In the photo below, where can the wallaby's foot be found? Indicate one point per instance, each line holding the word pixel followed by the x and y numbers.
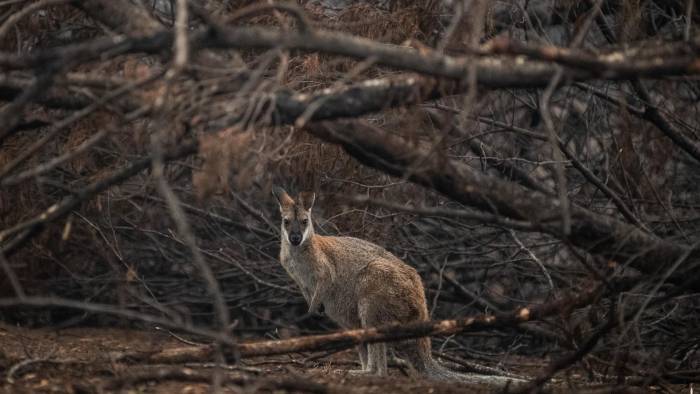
pixel 360 372
pixel 354 372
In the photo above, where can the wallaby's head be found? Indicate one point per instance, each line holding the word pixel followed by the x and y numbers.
pixel 296 215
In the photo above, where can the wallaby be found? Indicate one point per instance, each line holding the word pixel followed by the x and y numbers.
pixel 359 284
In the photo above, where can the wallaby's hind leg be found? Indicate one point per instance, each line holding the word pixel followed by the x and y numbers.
pixel 376 358
pixel 376 352
pixel 362 351
pixel 373 359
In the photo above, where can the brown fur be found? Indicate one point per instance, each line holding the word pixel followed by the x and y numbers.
pixel 359 284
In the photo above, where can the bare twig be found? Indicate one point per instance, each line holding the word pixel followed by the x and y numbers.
pixel 157 154
pixel 59 126
pixel 535 259
pixel 564 204
pixel 445 212
pixel 653 115
pixel 12 277
pixel 536 384
pixel 116 311
pixel 587 173
pixel 26 229
pixel 57 161
pixel 17 16
pixel 688 19
pixel 303 22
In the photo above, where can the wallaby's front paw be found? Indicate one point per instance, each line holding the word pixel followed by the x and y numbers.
pixel 315 306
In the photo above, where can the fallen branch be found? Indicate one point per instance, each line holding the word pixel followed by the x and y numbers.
pixel 389 333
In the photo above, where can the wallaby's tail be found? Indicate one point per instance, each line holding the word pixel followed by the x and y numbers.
pixel 418 353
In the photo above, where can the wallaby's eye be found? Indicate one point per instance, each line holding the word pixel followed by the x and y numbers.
pixel 305 222
pixel 286 222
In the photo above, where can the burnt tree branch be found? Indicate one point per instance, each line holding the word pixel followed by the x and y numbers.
pixel 507 68
pixel 597 233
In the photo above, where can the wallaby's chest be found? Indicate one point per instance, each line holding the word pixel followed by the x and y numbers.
pixel 300 269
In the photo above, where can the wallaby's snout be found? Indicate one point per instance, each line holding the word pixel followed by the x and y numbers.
pixel 295 238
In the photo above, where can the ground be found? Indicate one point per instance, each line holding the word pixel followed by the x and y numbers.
pixel 82 360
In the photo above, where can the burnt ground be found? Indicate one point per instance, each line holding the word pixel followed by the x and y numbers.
pixel 82 360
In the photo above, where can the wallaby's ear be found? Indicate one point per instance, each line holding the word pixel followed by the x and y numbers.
pixel 282 197
pixel 306 199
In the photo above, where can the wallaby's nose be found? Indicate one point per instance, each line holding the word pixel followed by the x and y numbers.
pixel 295 238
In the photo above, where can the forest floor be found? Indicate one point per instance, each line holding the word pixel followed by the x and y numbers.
pixel 82 360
